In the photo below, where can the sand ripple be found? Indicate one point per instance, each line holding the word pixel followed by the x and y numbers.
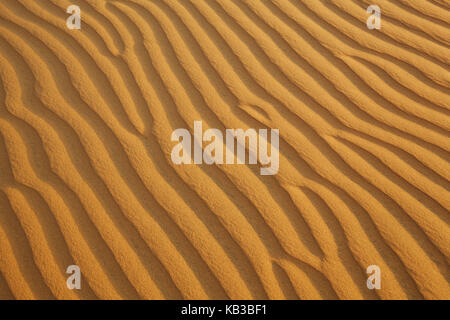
pixel 86 176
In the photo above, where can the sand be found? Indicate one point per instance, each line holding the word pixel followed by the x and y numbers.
pixel 86 176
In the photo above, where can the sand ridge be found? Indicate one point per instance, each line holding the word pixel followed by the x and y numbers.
pixel 86 176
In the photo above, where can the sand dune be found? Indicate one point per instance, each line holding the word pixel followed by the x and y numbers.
pixel 86 176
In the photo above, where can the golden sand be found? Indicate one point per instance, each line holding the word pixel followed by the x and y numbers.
pixel 86 176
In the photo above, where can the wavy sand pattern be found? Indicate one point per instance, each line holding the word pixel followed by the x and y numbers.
pixel 86 176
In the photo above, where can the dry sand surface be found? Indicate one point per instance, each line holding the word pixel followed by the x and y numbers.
pixel 86 176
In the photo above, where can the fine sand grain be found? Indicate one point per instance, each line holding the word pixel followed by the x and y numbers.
pixel 86 176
